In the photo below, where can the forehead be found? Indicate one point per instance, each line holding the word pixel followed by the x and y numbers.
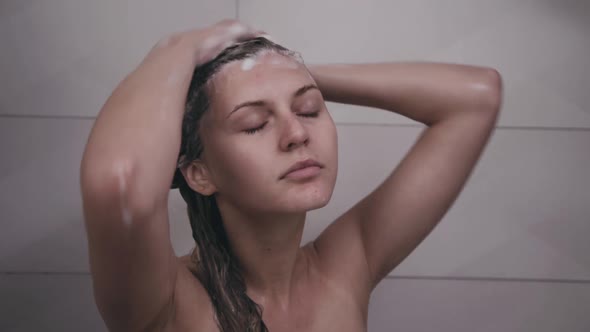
pixel 267 75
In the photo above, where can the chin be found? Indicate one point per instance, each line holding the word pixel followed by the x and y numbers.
pixel 318 205
pixel 308 201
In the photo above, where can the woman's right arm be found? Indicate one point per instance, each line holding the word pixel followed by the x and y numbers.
pixel 125 178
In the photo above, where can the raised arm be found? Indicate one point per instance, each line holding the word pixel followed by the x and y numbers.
pixel 125 177
pixel 459 104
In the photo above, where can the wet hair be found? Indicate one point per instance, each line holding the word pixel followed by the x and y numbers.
pixel 213 262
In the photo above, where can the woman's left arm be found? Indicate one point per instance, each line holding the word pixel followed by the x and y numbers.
pixel 422 91
pixel 460 105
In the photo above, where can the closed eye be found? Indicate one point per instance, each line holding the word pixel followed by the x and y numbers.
pixel 253 130
pixel 305 115
pixel 310 115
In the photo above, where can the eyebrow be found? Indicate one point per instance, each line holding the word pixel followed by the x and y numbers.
pixel 297 93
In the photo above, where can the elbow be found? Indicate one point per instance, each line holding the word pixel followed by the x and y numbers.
pixel 488 89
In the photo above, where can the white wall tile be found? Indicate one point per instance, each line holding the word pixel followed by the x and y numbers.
pixel 523 214
pixel 40 205
pixel 48 303
pixel 412 305
pixel 12 7
pixel 64 57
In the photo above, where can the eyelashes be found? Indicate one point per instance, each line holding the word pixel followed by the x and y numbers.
pixel 305 115
pixel 252 131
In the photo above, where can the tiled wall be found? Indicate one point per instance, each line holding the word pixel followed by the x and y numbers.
pixel 512 254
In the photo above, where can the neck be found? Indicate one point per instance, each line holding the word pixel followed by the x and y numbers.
pixel 267 248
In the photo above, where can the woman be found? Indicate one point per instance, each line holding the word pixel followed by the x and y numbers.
pixel 252 148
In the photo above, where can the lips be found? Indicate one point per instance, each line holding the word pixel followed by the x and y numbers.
pixel 302 164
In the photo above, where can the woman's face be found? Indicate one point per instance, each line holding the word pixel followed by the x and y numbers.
pixel 265 115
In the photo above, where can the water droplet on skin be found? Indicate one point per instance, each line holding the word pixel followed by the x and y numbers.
pixel 248 64
pixel 121 170
pixel 126 216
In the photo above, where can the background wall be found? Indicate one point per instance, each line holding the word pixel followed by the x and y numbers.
pixel 511 255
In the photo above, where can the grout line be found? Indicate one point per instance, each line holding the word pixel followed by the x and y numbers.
pixel 371 124
pixel 237 9
pixel 418 125
pixel 338 123
pixel 494 279
pixel 410 277
pixel 44 273
pixel 543 128
pixel 52 117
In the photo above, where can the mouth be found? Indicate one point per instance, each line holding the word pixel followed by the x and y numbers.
pixel 303 169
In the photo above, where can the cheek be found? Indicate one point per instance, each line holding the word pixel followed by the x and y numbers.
pixel 242 165
pixel 327 147
pixel 327 136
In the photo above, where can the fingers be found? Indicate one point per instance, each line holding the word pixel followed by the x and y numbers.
pixel 219 35
pixel 207 43
pixel 233 31
pixel 224 34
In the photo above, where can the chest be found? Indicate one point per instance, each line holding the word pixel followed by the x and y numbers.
pixel 318 306
pixel 326 308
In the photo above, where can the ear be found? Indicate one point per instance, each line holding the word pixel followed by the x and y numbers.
pixel 197 177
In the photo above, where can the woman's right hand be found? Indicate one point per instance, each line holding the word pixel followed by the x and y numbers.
pixel 207 43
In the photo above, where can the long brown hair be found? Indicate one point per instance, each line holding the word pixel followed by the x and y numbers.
pixel 214 263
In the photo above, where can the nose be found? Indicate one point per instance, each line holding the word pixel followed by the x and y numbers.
pixel 295 133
